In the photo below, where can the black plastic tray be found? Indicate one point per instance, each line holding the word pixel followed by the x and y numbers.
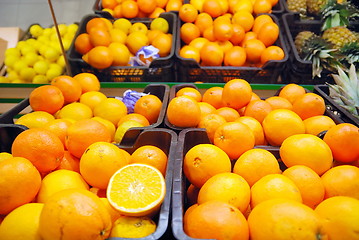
pixel 188 70
pixel 159 90
pixel 298 70
pixel 160 70
pixel 333 110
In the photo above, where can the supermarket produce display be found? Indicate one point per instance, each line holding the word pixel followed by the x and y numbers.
pixel 200 119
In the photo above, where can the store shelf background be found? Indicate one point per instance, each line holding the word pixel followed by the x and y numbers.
pixel 22 13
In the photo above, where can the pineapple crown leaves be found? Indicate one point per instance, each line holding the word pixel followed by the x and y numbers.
pixel 350 54
pixel 334 14
pixel 346 89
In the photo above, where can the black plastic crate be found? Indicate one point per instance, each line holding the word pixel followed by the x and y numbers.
pixel 298 70
pixel 165 139
pixel 333 110
pixel 187 139
pixel 188 70
pixel 160 70
pixel 159 90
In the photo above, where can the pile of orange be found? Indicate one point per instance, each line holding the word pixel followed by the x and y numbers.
pixel 67 159
pixel 240 190
pixel 139 8
pixel 229 33
pixel 112 43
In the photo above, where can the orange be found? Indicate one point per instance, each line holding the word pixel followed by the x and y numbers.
pixel 92 98
pixel 96 23
pixel 109 125
pixel 188 51
pixel 111 109
pixel 83 133
pixel 212 7
pixel 46 98
pixel 157 12
pixel 273 186
pixel 20 182
pixel 308 182
pixel 129 9
pixel 117 11
pixel 309 105
pixel 188 32
pixel 259 21
pixel 136 117
pixel 75 111
pixel 222 29
pixel 242 5
pixel 234 138
pixel 229 114
pixel 238 34
pixel 262 6
pixel 69 162
pixel 248 36
pixel 258 109
pixel 213 96
pixel 343 140
pixel 243 18
pixel 216 220
pixel 225 45
pixel 163 42
pixel 236 56
pixel 112 211
pixel 173 5
pixel 136 40
pixel 314 152
pixel 341 181
pixel 142 197
pixel 256 128
pixel 236 191
pixel 123 128
pixel 138 27
pixel 82 43
pixel 291 92
pixel 133 227
pixel 42 147
pixel 340 216
pixel 188 13
pixel 256 163
pixel 198 43
pixel 100 161
pixel 70 88
pixel 58 127
pixel 254 49
pixel 149 106
pixel 203 21
pixel 150 155
pixel 279 124
pixel 147 6
pixel 99 37
pixel 317 124
pixel 236 93
pixel 206 109
pixel 151 34
pixel 192 194
pixel 203 161
pixel 69 211
pixel 277 102
pixel 211 122
pixel 120 53
pixel 88 82
pixel 272 53
pixel 100 57
pixel 268 33
pixel 183 111
pixel 59 180
pixel 209 34
pixel 283 218
pixel 109 4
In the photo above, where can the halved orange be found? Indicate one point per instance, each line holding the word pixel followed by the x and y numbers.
pixel 137 190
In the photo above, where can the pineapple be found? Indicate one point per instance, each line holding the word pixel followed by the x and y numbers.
pixel 350 54
pixel 312 47
pixel 299 6
pixel 345 91
pixel 314 7
pixel 339 36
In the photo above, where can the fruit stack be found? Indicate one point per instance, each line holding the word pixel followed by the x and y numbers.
pixel 38 58
pixel 111 48
pixel 220 40
pixel 322 35
pixel 230 181
pixel 78 133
